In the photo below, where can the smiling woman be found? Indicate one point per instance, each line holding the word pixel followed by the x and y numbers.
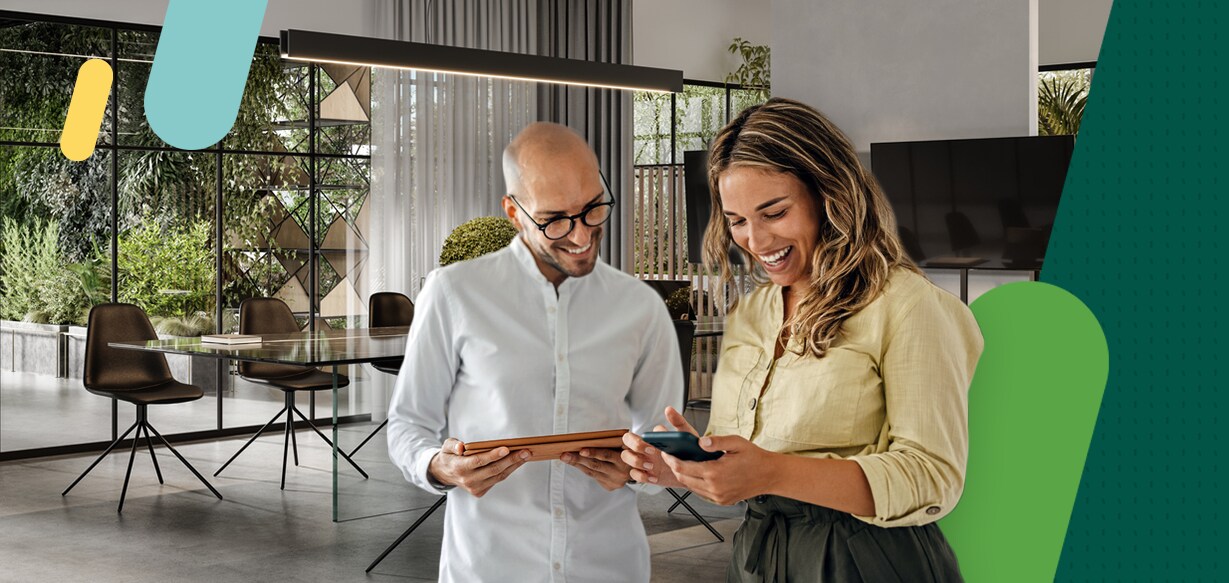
pixel 842 335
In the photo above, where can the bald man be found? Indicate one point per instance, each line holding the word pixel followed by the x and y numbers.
pixel 539 338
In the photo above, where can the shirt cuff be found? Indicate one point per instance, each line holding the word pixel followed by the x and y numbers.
pixel 889 512
pixel 422 468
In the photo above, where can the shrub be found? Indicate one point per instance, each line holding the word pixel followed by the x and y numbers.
pixel 167 273
pixel 475 238
pixel 30 257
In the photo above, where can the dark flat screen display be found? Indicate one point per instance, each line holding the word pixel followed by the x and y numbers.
pixel 984 201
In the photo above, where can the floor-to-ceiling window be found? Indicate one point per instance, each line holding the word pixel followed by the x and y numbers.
pixel 274 209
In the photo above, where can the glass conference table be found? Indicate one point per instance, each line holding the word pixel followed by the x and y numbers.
pixel 332 348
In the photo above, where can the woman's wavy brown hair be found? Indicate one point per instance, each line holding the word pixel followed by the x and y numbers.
pixel 858 246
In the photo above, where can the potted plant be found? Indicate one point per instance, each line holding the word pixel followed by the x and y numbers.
pixel 755 72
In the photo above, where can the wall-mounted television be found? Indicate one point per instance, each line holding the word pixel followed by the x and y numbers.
pixel 972 202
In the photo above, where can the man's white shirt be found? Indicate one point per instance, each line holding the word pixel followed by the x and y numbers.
pixel 494 352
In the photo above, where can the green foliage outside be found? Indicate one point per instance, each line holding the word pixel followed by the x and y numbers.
pixel 36 285
pixel 475 238
pixel 1061 98
pixel 42 194
pixel 167 272
pixel 30 258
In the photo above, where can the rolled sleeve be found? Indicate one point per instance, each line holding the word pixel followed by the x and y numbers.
pixel 927 366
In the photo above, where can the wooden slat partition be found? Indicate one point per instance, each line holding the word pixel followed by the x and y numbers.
pixel 660 238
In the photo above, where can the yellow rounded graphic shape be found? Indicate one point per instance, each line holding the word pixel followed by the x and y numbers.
pixel 85 111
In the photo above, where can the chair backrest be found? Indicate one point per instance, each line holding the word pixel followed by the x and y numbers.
pixel 386 309
pixel 114 369
pixel 267 316
pixel 686 331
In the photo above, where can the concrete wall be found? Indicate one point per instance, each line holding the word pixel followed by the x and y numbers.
pixel 1070 31
pixel 694 35
pixel 896 70
pixel 340 16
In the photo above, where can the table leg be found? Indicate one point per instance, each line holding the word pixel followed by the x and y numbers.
pixel 335 441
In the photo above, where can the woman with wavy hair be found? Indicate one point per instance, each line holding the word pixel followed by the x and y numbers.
pixel 840 399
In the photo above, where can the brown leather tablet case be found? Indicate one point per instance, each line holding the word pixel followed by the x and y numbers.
pixel 550 447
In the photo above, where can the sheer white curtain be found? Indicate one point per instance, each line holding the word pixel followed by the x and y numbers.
pixel 437 140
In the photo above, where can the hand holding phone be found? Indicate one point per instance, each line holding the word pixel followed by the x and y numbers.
pixel 680 444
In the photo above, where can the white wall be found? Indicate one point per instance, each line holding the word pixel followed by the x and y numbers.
pixel 695 35
pixel 894 70
pixel 339 16
pixel 1070 31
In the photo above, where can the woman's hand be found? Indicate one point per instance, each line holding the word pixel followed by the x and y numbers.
pixel 646 461
pixel 746 470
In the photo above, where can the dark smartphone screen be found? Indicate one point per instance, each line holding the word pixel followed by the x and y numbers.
pixel 680 444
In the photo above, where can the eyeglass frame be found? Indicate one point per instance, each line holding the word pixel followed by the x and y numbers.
pixel 571 218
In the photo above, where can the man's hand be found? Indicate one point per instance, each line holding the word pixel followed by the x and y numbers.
pixel 476 473
pixel 601 464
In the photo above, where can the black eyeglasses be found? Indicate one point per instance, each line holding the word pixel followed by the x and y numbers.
pixel 557 228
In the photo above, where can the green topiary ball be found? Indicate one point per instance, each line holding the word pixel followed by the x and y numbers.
pixel 475 238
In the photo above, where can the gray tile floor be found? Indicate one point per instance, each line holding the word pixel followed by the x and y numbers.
pixel 179 532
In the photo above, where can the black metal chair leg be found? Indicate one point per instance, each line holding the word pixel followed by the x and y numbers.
pixel 289 430
pixel 368 438
pixel 185 462
pixel 294 443
pixel 131 456
pixel 103 455
pixel 249 442
pixel 678 502
pixel 407 532
pixel 696 514
pixel 328 441
pixel 149 442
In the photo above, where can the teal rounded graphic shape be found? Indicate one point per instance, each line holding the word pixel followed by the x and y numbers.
pixel 1033 405
pixel 200 69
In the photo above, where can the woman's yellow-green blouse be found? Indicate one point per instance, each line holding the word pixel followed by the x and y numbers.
pixel 891 394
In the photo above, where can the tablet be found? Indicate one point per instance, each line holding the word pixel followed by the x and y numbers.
pixel 550 447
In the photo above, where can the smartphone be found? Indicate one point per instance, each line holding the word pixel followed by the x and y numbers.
pixel 680 444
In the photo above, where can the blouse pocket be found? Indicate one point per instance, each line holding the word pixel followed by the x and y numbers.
pixel 834 401
pixel 735 372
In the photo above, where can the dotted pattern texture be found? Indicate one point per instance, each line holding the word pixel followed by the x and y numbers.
pixel 1139 238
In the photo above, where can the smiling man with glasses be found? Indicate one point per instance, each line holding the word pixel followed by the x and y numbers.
pixel 538 338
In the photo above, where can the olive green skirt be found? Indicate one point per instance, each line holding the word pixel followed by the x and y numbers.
pixel 787 540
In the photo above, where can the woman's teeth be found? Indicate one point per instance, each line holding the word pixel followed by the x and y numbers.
pixel 776 258
pixel 579 251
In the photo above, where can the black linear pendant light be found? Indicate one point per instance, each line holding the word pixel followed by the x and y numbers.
pixel 320 47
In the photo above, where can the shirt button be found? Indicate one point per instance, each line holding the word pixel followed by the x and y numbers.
pixel 933 510
pixel 558 513
pixel 558 567
pixel 752 403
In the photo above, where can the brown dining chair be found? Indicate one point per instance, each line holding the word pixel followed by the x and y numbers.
pixel 259 316
pixel 384 310
pixel 133 376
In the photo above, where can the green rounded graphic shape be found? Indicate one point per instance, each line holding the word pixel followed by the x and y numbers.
pixel 1033 404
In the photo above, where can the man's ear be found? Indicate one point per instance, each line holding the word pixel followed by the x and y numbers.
pixel 511 210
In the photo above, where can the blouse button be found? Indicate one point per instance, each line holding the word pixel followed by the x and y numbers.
pixel 933 510
pixel 753 403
